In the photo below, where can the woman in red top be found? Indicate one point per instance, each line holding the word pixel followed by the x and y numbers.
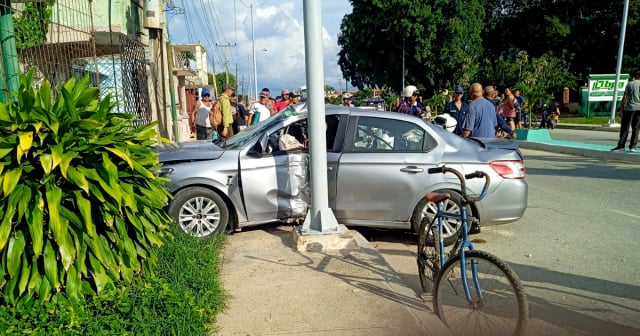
pixel 508 108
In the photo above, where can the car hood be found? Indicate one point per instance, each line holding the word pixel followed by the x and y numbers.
pixel 188 151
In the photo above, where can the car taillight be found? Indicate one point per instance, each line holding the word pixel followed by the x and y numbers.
pixel 509 169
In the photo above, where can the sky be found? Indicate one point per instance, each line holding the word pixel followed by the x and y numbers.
pixel 278 29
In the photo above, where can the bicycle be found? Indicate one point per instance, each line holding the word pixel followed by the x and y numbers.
pixel 489 299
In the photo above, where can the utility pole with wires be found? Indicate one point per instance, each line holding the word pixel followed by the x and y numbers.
pixel 226 59
pixel 253 47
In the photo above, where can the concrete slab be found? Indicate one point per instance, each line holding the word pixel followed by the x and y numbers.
pixel 274 289
pixel 322 242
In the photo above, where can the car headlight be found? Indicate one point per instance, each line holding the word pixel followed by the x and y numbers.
pixel 163 172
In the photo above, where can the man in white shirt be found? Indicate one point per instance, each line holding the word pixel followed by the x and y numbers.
pixel 260 110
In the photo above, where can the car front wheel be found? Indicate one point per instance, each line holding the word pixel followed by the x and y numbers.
pixel 451 227
pixel 199 212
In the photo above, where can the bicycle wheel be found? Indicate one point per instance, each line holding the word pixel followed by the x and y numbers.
pixel 503 308
pixel 428 255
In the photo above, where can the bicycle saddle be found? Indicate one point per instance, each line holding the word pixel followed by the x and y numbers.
pixel 437 197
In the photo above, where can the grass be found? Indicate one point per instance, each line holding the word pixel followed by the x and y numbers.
pixel 183 298
pixel 574 118
pixel 587 121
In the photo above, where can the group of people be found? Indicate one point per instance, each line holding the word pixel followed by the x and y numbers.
pixel 485 114
pixel 227 115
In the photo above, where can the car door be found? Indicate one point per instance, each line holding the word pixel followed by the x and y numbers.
pixel 275 182
pixel 382 172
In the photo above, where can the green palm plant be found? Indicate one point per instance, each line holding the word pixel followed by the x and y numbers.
pixel 79 205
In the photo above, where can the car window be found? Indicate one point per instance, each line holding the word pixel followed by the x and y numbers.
pixel 296 136
pixel 256 130
pixel 387 135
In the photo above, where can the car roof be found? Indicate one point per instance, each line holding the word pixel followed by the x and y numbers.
pixel 357 111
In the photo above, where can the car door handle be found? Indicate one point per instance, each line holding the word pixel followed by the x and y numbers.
pixel 411 169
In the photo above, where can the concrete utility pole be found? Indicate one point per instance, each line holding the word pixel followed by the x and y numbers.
pixel 253 46
pixel 174 112
pixel 226 60
pixel 9 83
pixel 320 218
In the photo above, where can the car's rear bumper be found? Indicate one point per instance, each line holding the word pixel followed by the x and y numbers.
pixel 506 204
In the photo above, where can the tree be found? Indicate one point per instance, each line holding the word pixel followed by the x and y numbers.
pixel 221 79
pixel 374 36
pixel 329 88
pixel 458 50
pixel 455 42
pixel 584 32
pixel 440 41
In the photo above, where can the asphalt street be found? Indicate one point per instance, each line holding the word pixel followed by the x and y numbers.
pixel 574 249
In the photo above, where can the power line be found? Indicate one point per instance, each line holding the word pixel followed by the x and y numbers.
pixel 188 24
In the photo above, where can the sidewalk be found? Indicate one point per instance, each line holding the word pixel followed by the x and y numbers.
pixel 541 139
pixel 274 289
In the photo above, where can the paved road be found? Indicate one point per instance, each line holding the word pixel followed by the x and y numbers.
pixel 576 248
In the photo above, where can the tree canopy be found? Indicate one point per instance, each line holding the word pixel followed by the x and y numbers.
pixel 503 43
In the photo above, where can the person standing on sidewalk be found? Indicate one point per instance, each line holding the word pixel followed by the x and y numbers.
pixel 225 129
pixel 203 114
pixel 630 112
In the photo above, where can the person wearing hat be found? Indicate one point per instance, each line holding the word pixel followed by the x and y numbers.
pixel 457 108
pixel 295 97
pixel 284 101
pixel 202 116
pixel 410 105
pixel 225 129
pixel 347 99
pixel 260 110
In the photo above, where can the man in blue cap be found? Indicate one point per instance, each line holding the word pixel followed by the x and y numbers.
pixel 457 108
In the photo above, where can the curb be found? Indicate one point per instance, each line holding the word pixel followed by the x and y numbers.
pixel 592 153
pixel 589 127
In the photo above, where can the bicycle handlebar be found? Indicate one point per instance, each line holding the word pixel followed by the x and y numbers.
pixel 476 174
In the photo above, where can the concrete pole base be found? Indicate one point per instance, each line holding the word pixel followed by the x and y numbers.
pixel 314 242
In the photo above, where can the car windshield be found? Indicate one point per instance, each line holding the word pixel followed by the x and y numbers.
pixel 254 131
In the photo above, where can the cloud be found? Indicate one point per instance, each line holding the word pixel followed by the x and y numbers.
pixel 278 28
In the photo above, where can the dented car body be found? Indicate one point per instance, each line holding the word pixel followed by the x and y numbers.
pixel 376 167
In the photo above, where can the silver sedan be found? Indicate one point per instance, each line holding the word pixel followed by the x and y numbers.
pixel 377 173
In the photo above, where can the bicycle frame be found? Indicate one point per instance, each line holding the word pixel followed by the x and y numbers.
pixel 462 243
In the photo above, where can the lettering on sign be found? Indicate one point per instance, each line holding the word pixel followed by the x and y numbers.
pixel 601 87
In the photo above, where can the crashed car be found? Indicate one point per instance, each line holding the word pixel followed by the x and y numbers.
pixel 377 166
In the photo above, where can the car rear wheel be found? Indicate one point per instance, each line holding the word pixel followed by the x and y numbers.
pixel 199 212
pixel 451 227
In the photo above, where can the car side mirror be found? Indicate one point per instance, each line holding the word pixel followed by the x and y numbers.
pixel 260 146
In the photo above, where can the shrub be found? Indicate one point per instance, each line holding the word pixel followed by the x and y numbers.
pixel 182 300
pixel 80 207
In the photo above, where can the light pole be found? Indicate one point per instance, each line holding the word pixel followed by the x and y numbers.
pixel 253 47
pixel 623 29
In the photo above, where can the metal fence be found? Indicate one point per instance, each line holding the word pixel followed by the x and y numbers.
pixel 58 39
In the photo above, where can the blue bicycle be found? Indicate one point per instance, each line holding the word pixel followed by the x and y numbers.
pixel 474 292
